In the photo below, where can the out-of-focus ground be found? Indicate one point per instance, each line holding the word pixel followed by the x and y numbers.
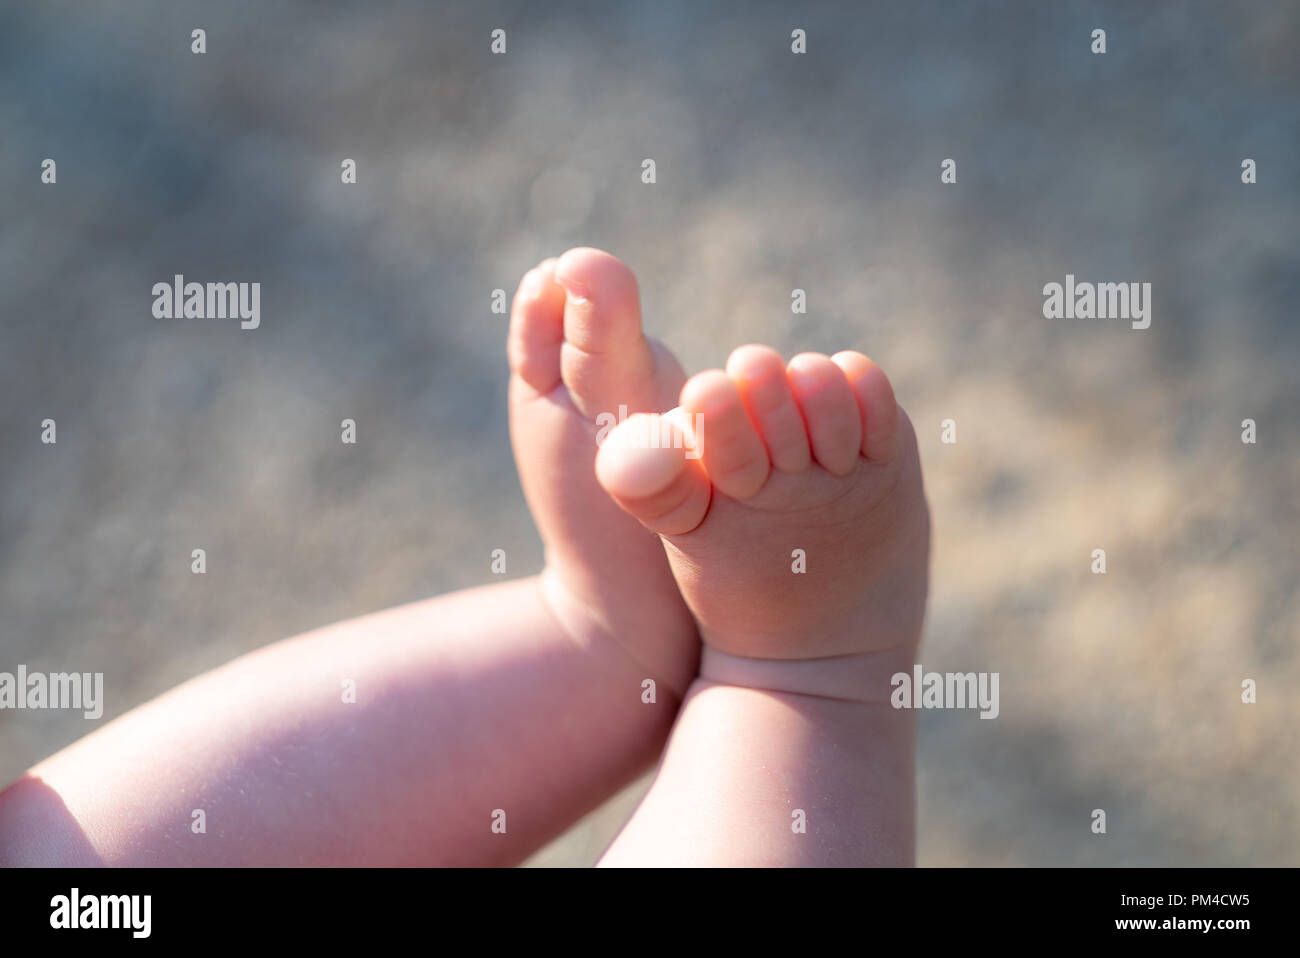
pixel 775 171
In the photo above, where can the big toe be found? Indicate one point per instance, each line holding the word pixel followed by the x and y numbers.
pixel 647 466
pixel 605 359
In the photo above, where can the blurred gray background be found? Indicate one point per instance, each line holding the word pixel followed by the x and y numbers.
pixel 775 171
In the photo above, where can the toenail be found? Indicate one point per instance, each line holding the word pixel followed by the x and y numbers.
pixel 808 382
pixel 574 291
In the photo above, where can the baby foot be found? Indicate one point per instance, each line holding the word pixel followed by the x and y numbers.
pixel 800 532
pixel 576 350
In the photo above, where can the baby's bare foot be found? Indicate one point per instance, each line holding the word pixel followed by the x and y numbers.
pixel 800 532
pixel 576 351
